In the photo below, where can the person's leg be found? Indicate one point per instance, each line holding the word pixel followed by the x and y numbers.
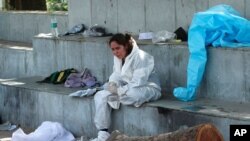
pixel 140 95
pixel 102 110
pixel 102 114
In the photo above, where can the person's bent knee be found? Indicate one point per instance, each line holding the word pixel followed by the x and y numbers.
pixel 130 97
pixel 132 92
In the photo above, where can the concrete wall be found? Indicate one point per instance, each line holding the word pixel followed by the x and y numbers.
pixel 22 26
pixel 20 105
pixel 15 62
pixel 53 54
pixel 143 15
pixel 226 77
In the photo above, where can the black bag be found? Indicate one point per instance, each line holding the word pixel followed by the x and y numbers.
pixel 181 34
pixel 97 31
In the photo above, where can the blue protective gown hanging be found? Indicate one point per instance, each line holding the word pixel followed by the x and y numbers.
pixel 221 26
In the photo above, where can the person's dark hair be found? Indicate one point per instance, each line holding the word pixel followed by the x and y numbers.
pixel 123 39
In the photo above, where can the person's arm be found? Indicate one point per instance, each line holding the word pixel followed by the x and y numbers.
pixel 143 67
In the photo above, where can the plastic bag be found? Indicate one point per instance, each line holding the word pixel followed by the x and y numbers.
pixel 95 31
pixel 112 87
pixel 221 25
pixel 83 93
pixel 113 101
pixel 162 36
pixel 76 29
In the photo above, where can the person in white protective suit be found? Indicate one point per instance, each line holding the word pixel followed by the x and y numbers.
pixel 133 82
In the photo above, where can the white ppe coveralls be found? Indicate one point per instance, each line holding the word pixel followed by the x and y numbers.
pixel 137 83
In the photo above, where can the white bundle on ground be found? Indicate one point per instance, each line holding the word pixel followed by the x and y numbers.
pixel 48 131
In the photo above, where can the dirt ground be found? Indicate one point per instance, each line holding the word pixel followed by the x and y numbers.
pixel 5 135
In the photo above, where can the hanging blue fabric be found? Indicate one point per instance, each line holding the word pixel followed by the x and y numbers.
pixel 221 26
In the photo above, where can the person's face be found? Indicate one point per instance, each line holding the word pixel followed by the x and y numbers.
pixel 118 50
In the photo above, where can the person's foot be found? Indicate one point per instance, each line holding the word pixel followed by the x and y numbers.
pixel 102 136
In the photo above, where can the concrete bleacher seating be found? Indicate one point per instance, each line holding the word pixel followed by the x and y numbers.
pixel 16 59
pixel 28 103
pixel 223 97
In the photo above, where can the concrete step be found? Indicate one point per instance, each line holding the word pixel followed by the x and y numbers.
pixel 226 77
pixel 15 44
pixel 28 103
pixel 16 59
pixel 227 74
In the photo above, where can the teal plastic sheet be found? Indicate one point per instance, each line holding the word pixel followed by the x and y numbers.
pixel 220 26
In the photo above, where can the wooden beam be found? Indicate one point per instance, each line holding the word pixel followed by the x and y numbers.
pixel 202 132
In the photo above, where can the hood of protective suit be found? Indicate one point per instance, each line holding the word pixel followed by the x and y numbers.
pixel 138 70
